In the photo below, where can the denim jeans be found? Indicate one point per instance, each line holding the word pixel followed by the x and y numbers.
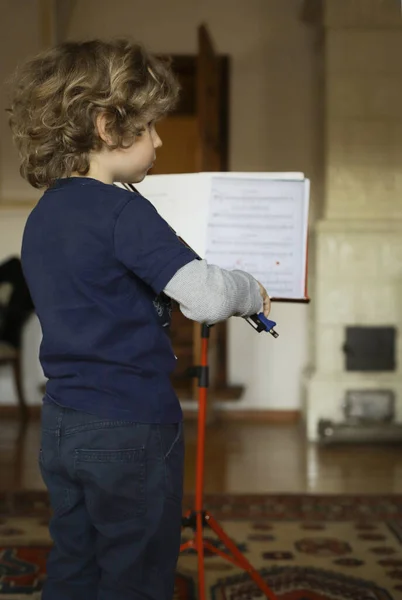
pixel 115 489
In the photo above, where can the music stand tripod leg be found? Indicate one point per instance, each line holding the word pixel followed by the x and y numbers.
pixel 203 518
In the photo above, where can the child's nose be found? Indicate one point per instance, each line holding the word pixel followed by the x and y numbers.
pixel 157 141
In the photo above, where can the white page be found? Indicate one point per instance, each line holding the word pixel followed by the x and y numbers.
pixel 259 225
pixel 182 200
pixel 256 222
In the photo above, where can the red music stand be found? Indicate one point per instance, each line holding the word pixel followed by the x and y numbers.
pixel 199 518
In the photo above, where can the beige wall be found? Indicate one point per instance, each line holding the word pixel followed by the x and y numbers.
pixel 363 108
pixel 274 59
pixel 20 31
pixel 275 125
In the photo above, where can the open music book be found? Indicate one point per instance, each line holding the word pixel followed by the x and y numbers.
pixel 257 222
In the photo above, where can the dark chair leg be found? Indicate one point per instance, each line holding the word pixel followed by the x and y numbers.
pixel 19 387
pixel 20 453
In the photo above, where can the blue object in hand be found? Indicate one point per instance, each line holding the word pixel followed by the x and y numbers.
pixel 261 323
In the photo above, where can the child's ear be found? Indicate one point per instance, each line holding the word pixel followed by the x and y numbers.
pixel 101 126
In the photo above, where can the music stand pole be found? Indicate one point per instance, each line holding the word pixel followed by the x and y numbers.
pixel 199 518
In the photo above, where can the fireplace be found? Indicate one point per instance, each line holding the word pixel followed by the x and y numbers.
pixel 358 241
pixel 358 314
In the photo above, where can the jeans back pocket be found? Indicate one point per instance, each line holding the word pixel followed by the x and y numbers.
pixel 113 481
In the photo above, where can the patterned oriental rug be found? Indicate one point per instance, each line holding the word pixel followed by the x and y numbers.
pixel 305 547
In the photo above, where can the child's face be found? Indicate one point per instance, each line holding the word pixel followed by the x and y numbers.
pixel 133 164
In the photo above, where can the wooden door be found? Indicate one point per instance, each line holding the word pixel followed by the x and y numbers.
pixel 211 122
pixel 210 157
pixel 178 155
pixel 195 138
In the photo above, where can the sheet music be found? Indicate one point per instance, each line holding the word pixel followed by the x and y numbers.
pixel 259 225
pixel 256 222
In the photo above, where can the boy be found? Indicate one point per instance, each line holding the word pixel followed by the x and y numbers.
pixel 102 266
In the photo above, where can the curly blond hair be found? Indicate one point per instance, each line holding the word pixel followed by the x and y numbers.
pixel 58 95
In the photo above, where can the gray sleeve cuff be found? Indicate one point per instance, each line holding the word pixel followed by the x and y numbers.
pixel 208 294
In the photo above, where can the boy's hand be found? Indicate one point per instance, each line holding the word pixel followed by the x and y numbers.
pixel 266 309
